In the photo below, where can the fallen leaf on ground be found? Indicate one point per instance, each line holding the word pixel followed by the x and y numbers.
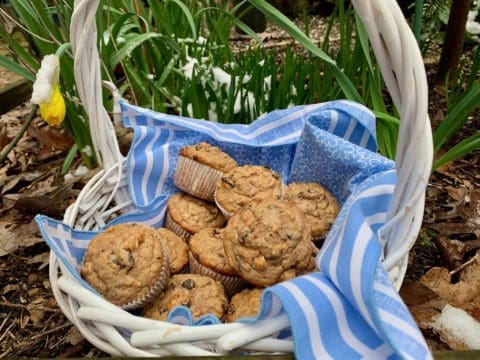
pixel 423 303
pixel 74 336
pixel 52 204
pixel 14 235
pixel 53 138
pixel 458 294
pixel 42 259
pixel 36 315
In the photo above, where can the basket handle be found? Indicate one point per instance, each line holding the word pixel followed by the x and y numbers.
pixel 402 67
pixel 83 37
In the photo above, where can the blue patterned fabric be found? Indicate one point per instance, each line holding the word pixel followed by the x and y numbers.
pixel 348 309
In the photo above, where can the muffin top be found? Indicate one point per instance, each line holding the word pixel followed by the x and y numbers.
pixel 124 262
pixel 193 214
pixel 245 184
pixel 317 203
pixel 207 247
pixel 177 250
pixel 269 242
pixel 244 304
pixel 209 155
pixel 201 294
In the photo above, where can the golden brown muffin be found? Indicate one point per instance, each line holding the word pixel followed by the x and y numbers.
pixel 191 215
pixel 210 156
pixel 127 264
pixel 207 257
pixel 318 205
pixel 269 242
pixel 244 304
pixel 201 294
pixel 199 167
pixel 246 184
pixel 177 250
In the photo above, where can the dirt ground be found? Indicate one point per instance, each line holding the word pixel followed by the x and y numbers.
pixel 30 182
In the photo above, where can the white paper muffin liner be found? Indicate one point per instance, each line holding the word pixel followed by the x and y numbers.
pixel 156 288
pixel 231 284
pixel 228 214
pixel 195 178
pixel 170 224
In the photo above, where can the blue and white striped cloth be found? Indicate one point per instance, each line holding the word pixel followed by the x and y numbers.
pixel 346 310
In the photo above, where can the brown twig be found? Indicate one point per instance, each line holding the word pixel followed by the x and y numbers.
pixel 52 330
pixel 7 330
pixel 465 264
pixel 19 135
pixel 28 307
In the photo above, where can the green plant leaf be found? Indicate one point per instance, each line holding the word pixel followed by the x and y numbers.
pixel 67 163
pixel 465 146
pixel 136 40
pixel 456 118
pixel 16 68
pixel 188 15
pixel 287 25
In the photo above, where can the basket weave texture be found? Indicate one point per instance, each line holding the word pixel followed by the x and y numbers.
pixel 107 194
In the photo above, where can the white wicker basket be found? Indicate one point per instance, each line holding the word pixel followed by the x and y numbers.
pixel 103 323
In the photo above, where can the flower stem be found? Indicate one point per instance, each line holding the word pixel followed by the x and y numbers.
pixel 19 135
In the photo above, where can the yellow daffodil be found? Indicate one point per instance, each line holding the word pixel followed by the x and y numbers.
pixel 46 91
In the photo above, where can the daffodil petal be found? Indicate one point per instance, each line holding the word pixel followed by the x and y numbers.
pixel 53 110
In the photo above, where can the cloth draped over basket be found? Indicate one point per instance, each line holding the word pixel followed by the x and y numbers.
pixel 348 308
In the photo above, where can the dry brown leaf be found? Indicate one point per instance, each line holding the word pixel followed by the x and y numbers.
pixel 36 315
pixel 42 259
pixel 74 336
pixel 460 294
pixel 423 303
pixel 10 287
pixel 14 236
pixel 14 180
pixel 52 204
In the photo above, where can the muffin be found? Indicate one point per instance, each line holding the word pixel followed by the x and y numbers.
pixel 187 215
pixel 201 294
pixel 318 205
pixel 177 250
pixel 127 264
pixel 246 184
pixel 245 304
pixel 269 242
pixel 207 257
pixel 199 167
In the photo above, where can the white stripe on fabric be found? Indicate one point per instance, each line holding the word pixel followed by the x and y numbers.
pixel 376 191
pixel 365 137
pixel 143 134
pixel 378 218
pixel 63 239
pixel 385 290
pixel 155 220
pixel 166 164
pixel 316 341
pixel 277 307
pixel 364 233
pixel 351 127
pixel 149 163
pixel 284 139
pixel 295 116
pixel 398 323
pixel 382 352
pixel 335 301
pixel 333 121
